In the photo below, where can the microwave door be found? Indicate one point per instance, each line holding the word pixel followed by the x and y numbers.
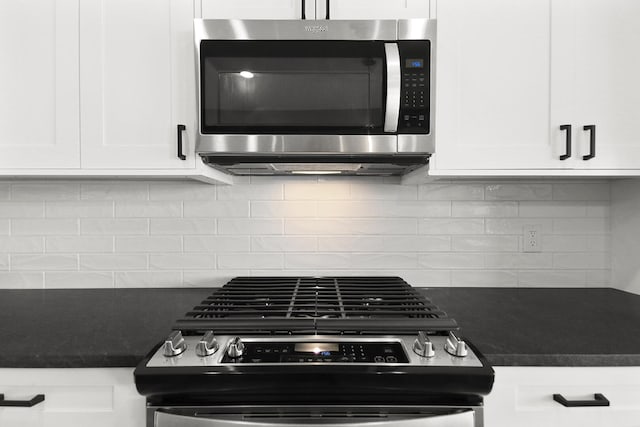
pixel 392 109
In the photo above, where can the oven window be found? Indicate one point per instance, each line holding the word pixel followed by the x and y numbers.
pixel 292 87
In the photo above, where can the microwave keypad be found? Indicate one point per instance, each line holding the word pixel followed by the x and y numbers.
pixel 415 88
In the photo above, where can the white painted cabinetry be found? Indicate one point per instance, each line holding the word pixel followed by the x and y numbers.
pixel 508 76
pixel 104 397
pixel 523 397
pixel 256 9
pixel 137 81
pixel 39 85
pixel 373 9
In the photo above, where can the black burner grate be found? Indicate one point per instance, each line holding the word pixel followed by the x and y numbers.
pixel 316 304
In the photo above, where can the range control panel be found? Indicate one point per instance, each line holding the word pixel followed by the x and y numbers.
pixel 415 87
pixel 326 352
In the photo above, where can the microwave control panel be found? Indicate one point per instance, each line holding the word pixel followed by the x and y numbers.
pixel 415 69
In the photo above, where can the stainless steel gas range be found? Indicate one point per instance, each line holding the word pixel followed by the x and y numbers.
pixel 330 351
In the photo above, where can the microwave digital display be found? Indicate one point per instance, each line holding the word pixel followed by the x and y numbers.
pixel 414 63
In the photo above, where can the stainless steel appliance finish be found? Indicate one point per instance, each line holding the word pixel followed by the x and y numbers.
pixel 316 351
pixel 389 151
pixel 320 416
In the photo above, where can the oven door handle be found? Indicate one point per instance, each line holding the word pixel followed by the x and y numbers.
pixel 392 111
pixel 456 418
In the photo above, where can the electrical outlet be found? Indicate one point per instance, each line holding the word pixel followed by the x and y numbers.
pixel 531 238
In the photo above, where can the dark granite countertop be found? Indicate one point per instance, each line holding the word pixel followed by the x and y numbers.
pixel 511 327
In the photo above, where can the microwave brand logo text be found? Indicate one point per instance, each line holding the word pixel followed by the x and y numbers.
pixel 316 28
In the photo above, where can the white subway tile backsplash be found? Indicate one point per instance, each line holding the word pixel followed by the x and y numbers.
pixel 263 191
pixel 113 262
pixel 182 226
pixel 117 190
pixel 283 209
pixel 191 261
pixel 42 227
pixel 42 262
pixel 78 279
pixel 79 244
pixel 84 209
pixel 546 209
pixel 5 227
pixel 216 209
pixel 449 226
pixel 250 226
pixel 168 233
pixel 21 209
pixel 38 191
pixel 149 244
pixel 348 226
pixel 384 243
pixel 380 191
pixel 26 244
pixel 487 243
pixel 582 191
pixel 484 209
pixel 451 192
pixel 552 278
pixel 132 209
pixel 186 190
pixel 216 243
pixel 451 261
pixel 317 191
pixel 114 226
pixel 385 209
pixel 283 244
pixel 518 192
pixel 581 260
pixel 317 261
pixel 250 260
pixel 21 280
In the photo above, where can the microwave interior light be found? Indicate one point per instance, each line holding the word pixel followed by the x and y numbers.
pixel 246 74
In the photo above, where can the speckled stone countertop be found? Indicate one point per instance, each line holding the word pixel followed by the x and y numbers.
pixel 511 327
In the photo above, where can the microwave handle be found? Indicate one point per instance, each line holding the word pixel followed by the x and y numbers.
pixel 392 110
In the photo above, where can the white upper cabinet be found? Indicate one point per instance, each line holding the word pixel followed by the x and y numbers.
pixel 137 83
pixel 515 80
pixel 257 9
pixel 39 85
pixel 373 9
pixel 595 75
pixel 492 92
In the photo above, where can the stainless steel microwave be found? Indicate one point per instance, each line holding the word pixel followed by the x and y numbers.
pixel 286 97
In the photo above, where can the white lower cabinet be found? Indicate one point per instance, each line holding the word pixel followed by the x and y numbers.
pixel 523 397
pixel 95 397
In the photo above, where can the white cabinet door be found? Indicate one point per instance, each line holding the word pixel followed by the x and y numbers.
pixel 492 90
pixel 373 9
pixel 523 397
pixel 39 86
pixel 596 69
pixel 257 9
pixel 137 83
pixel 73 398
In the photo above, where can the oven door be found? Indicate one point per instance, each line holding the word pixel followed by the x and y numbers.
pixel 322 417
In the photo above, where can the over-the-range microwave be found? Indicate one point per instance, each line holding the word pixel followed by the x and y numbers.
pixel 285 97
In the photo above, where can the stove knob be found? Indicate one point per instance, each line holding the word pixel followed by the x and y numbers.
pixel 174 344
pixel 422 346
pixel 455 346
pixel 236 348
pixel 207 345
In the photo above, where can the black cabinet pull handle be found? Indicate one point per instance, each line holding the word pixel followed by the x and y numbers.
pixel 22 403
pixel 598 400
pixel 181 128
pixel 328 7
pixel 592 141
pixel 567 153
pixel 304 7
